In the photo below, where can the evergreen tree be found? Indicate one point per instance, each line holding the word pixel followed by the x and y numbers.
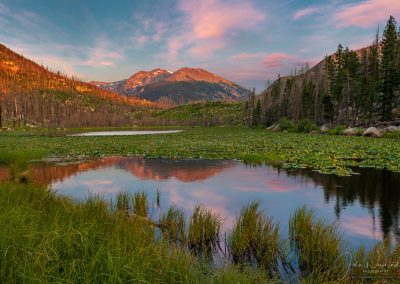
pixel 389 69
pixel 373 77
pixel 340 77
pixel 352 70
pixel 257 113
pixel 362 100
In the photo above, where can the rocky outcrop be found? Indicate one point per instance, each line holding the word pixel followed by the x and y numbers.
pixel 350 131
pixel 372 132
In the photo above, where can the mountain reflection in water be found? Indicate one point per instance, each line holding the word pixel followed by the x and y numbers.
pixel 366 205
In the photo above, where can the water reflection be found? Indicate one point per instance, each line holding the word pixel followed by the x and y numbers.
pixel 377 191
pixel 366 205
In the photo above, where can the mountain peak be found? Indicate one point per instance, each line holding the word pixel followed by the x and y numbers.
pixel 185 84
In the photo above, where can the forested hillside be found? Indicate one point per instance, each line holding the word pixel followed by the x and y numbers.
pixel 349 87
pixel 31 94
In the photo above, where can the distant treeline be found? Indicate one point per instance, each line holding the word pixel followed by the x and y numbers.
pixel 349 87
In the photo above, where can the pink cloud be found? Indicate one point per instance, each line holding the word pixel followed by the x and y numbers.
pixel 208 25
pixel 214 18
pixel 103 53
pixel 274 60
pixel 304 12
pixel 367 14
pixel 246 56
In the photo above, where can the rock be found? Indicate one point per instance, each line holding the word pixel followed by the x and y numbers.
pixel 372 132
pixel 324 128
pixel 392 128
pixel 276 128
pixel 350 131
pixel 30 125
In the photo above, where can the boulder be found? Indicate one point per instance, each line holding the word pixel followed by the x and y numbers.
pixel 276 128
pixel 372 132
pixel 392 128
pixel 350 131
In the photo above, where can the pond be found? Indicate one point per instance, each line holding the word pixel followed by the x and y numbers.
pixel 126 133
pixel 367 206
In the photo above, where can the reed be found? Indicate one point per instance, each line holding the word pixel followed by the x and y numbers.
pixel 174 226
pixel 204 231
pixel 123 202
pixel 140 204
pixel 254 239
pixel 318 246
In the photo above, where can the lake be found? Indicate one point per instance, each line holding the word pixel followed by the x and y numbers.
pixel 367 205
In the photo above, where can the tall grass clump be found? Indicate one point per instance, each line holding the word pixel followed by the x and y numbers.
pixel 318 246
pixel 254 239
pixel 383 257
pixel 18 162
pixel 140 204
pixel 123 202
pixel 173 226
pixel 337 130
pixel 204 231
pixel 286 124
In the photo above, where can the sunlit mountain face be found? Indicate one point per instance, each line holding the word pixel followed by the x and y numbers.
pixel 182 86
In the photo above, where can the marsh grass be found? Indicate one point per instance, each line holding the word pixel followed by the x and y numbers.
pixel 174 226
pixel 254 240
pixel 318 246
pixel 48 238
pixel 204 231
pixel 123 202
pixel 140 204
pixel 18 162
pixel 45 237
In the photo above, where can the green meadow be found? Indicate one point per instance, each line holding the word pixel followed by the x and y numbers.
pixel 329 154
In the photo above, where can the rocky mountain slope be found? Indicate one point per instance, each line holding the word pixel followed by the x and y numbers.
pixel 30 93
pixel 182 86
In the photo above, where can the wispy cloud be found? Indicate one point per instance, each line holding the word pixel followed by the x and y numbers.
pixel 246 56
pixel 367 14
pixel 146 30
pixel 208 24
pixel 304 12
pixel 103 54
pixel 274 60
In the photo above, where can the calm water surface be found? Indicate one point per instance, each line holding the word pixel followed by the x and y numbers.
pixel 367 206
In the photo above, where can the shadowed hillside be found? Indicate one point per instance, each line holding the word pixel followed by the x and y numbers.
pixel 31 94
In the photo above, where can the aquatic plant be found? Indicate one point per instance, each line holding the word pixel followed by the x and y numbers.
pixel 325 153
pixel 318 246
pixel 173 226
pixel 204 231
pixel 140 205
pixel 254 239
pixel 123 202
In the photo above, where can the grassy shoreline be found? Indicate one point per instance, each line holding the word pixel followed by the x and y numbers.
pixel 324 153
pixel 46 237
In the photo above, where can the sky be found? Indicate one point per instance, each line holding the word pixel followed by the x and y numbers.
pixel 246 41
